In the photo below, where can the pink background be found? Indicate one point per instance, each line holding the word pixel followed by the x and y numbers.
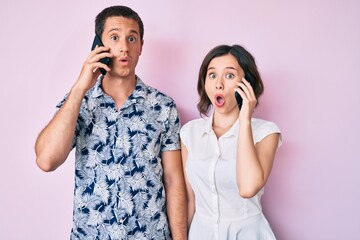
pixel 307 51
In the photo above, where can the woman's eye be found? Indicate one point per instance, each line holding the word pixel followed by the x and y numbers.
pixel 132 39
pixel 212 75
pixel 229 75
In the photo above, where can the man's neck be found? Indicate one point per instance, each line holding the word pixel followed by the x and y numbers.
pixel 119 88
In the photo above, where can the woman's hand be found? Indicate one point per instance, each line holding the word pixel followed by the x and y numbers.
pixel 248 100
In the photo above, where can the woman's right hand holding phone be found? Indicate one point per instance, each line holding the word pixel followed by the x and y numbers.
pixel 248 100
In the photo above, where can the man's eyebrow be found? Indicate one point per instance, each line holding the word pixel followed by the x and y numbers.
pixel 119 30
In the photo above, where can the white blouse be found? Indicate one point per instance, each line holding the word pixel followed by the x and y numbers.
pixel 220 211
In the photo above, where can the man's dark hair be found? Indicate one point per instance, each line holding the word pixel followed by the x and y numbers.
pixel 117 11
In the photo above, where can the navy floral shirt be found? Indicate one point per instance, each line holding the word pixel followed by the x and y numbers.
pixel 119 193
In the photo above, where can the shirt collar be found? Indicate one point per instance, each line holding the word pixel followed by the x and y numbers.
pixel 97 90
pixel 139 91
pixel 208 129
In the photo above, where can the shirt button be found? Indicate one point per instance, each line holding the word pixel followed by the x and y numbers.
pixel 118 143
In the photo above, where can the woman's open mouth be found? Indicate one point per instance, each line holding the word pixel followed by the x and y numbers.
pixel 219 100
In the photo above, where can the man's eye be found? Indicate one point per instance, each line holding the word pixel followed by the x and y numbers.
pixel 132 39
pixel 212 75
pixel 229 75
pixel 114 38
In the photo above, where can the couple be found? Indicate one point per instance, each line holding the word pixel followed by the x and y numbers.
pixel 132 181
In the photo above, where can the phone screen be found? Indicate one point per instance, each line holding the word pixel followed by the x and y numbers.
pixel 106 60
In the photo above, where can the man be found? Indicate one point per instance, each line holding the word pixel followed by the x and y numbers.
pixel 128 175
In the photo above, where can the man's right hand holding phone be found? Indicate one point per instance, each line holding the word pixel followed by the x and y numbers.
pixel 91 68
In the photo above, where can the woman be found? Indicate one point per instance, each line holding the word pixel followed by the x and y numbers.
pixel 228 155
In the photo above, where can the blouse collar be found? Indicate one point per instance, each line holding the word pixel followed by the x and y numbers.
pixel 208 128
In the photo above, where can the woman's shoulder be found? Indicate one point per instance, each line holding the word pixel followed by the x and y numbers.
pixel 195 125
pixel 262 128
pixel 258 123
pixel 197 121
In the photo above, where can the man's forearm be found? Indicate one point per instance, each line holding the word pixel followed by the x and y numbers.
pixel 54 142
pixel 177 210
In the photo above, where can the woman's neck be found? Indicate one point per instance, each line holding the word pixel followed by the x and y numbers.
pixel 223 122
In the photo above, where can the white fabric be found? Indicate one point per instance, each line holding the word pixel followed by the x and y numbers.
pixel 211 169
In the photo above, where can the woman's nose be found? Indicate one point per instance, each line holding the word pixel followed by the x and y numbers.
pixel 219 84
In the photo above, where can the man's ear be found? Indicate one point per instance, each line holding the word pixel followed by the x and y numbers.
pixel 141 46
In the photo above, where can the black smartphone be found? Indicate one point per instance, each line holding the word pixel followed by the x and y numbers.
pixel 237 95
pixel 97 42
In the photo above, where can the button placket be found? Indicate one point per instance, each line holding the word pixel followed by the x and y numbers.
pixel 212 181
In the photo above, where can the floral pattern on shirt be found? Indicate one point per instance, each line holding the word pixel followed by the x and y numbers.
pixel 119 193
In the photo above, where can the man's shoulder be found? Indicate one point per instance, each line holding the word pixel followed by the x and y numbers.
pixel 152 92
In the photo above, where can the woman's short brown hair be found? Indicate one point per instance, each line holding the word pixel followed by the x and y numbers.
pixel 246 62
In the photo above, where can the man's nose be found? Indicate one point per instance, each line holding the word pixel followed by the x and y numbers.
pixel 124 45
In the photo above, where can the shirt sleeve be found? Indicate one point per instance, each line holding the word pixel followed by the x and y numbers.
pixel 184 134
pixel 171 139
pixel 263 129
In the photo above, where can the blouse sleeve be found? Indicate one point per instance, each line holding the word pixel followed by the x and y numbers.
pixel 262 129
